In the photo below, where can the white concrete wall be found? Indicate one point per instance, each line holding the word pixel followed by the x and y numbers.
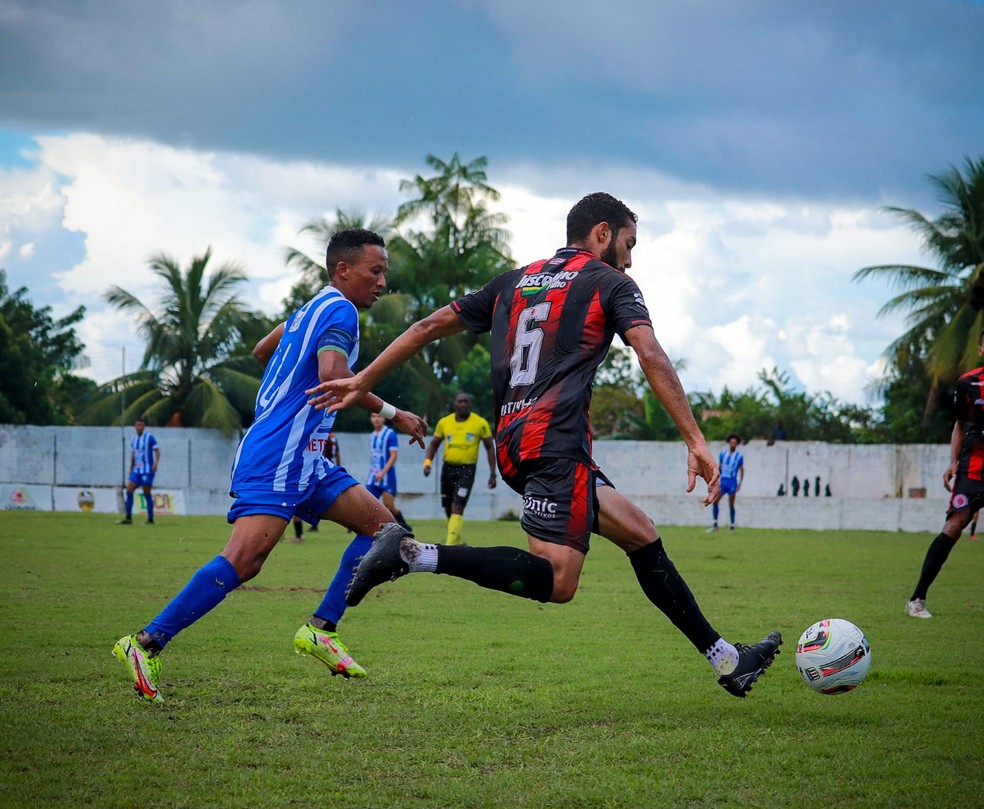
pixel 872 487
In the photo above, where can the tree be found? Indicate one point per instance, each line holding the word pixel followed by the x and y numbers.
pixel 945 306
pixel 189 375
pixel 37 354
pixel 752 413
pixel 314 275
pixel 459 246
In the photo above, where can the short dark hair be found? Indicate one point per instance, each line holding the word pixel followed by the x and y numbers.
pixel 734 436
pixel 595 208
pixel 345 245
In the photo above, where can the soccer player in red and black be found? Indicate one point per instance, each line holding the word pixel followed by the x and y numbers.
pixel 552 324
pixel 963 478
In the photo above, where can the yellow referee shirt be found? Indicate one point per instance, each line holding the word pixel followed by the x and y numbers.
pixel 461 438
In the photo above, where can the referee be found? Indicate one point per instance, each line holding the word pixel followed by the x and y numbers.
pixel 463 431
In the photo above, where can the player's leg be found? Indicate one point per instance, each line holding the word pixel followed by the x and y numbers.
pixel 715 511
pixel 342 500
pixel 253 537
pixel 149 499
pixel 131 487
pixel 447 489
pixel 731 511
pixel 389 501
pixel 298 525
pixel 622 522
pixel 554 517
pixel 462 480
pixel 959 515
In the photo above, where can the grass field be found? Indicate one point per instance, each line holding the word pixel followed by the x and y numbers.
pixel 475 698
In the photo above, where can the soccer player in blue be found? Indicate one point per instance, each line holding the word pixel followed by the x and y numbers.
pixel 280 469
pixel 383 450
pixel 145 454
pixel 732 465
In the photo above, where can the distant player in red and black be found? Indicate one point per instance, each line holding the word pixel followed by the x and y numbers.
pixel 963 478
pixel 552 324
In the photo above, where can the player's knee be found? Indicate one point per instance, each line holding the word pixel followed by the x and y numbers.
pixel 563 591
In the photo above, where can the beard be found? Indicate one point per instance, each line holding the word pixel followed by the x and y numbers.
pixel 609 256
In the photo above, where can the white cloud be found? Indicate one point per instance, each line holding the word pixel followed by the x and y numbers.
pixel 734 285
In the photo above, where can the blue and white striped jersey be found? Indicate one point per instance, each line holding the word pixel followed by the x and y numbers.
pixel 142 447
pixel 730 463
pixel 380 445
pixel 282 449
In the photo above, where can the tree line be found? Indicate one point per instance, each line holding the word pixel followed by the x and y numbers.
pixel 197 369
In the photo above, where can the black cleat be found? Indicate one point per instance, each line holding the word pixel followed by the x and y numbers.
pixel 752 663
pixel 382 562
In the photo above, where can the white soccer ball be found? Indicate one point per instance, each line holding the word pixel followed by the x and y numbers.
pixel 833 656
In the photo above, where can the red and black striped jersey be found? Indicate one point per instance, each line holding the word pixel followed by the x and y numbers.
pixel 968 400
pixel 552 324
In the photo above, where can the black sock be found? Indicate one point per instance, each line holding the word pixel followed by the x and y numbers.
pixel 398 516
pixel 939 550
pixel 509 570
pixel 665 587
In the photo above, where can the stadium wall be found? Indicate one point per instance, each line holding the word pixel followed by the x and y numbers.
pixel 871 487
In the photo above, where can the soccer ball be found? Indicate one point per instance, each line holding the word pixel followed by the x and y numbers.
pixel 833 656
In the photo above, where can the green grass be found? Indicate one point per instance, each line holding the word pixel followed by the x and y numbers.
pixel 475 698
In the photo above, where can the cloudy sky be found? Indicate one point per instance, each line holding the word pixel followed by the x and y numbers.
pixel 757 140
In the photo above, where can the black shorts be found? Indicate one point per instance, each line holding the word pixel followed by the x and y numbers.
pixel 456 485
pixel 967 493
pixel 560 500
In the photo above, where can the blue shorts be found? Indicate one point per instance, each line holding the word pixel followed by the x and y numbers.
pixel 142 478
pixel 310 505
pixel 729 485
pixel 377 489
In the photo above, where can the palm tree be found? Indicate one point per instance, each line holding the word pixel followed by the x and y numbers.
pixel 461 244
pixel 187 376
pixel 946 305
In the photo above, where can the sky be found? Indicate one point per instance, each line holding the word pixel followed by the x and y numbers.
pixel 759 142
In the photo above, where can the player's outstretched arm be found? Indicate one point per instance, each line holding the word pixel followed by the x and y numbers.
pixel 663 379
pixel 340 392
pixel 333 366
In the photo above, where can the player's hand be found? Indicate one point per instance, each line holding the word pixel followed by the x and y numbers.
pixel 406 422
pixel 492 481
pixel 427 470
pixel 948 477
pixel 700 463
pixel 337 394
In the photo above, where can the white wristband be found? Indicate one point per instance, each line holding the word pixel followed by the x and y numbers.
pixel 387 411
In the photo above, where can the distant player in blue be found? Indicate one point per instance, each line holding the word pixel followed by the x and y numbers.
pixel 145 454
pixel 383 450
pixel 280 469
pixel 732 465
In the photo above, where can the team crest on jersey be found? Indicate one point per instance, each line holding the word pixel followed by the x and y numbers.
pixel 534 284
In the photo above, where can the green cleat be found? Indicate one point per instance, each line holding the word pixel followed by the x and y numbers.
pixel 144 670
pixel 326 647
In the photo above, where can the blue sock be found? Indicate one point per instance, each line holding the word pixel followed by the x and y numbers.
pixel 129 505
pixel 714 512
pixel 150 506
pixel 332 607
pixel 731 513
pixel 207 588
